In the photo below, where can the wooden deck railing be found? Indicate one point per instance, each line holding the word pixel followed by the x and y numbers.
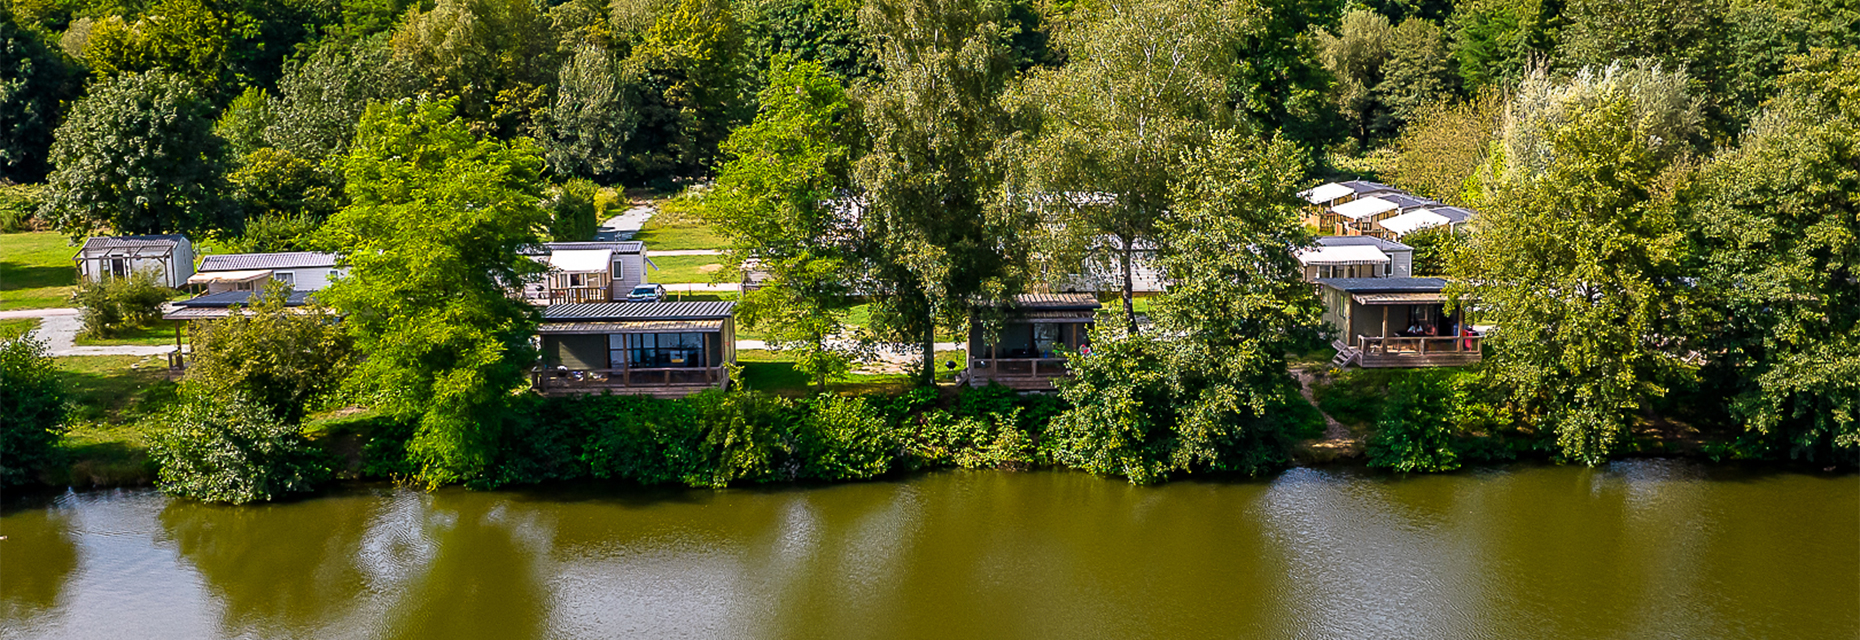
pixel 1022 368
pixel 596 379
pixel 1424 351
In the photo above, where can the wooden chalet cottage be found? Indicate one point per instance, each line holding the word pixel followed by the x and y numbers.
pixel 1396 322
pixel 665 349
pixel 302 270
pixel 1029 351
pixel 587 272
pixel 170 257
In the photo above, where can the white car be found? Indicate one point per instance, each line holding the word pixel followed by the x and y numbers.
pixel 647 292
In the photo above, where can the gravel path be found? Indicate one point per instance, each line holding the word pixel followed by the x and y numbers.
pixel 625 225
pixel 60 331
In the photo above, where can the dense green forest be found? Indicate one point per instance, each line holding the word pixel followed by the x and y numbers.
pixel 1669 228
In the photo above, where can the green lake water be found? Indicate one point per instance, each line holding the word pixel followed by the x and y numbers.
pixel 1636 549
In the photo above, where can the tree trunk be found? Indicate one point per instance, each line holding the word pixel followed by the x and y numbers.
pixel 1130 306
pixel 928 376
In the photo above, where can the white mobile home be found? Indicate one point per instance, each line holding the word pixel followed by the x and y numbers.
pixel 170 256
pixel 302 270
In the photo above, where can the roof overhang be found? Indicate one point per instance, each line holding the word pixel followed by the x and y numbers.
pixel 1343 255
pixel 1327 192
pixel 581 260
pixel 1364 207
pixel 249 275
pixel 637 326
pixel 1413 221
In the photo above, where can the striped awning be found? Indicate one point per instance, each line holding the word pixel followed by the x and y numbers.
pixel 1400 298
pixel 641 326
pixel 229 276
pixel 1343 255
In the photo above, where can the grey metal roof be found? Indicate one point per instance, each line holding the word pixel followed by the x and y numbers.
pixel 1406 201
pixel 285 260
pixel 1365 186
pixel 154 246
pixel 1386 285
pixel 1455 214
pixel 1350 241
pixel 546 248
pixel 230 298
pixel 587 311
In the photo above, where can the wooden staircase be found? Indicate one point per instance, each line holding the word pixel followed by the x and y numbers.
pixel 1346 355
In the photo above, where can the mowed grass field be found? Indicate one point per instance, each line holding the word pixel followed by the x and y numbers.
pixel 670 231
pixel 36 271
pixel 686 269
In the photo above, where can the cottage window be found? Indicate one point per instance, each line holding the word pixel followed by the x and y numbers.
pixel 119 267
pixel 650 350
pixel 285 277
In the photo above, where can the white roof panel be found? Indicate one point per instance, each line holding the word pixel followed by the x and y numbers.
pixel 1343 255
pixel 582 259
pixel 1414 221
pixel 228 276
pixel 1364 207
pixel 1326 192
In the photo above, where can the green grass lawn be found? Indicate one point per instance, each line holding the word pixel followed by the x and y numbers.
pixel 114 388
pixel 666 231
pixel 162 333
pixel 774 372
pixel 17 327
pixel 36 271
pixel 685 269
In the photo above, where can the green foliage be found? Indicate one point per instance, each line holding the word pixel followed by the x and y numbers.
pixel 1419 71
pixel 185 37
pixel 774 201
pixel 230 449
pixel 824 32
pixel 1442 148
pixel 243 123
pixel 1145 83
pixel 1278 82
pixel 138 155
pixel 574 216
pixel 691 58
pixel 1573 259
pixel 1414 433
pixel 1495 40
pixel 1433 249
pixel 19 206
pixel 586 131
pixel 275 233
pixel 495 56
pixel 1355 57
pixel 283 360
pixel 275 183
pixel 639 438
pixel 933 241
pixel 118 303
pixel 431 237
pixel 320 98
pixel 841 438
pixel 743 435
pixel 991 441
pixel 1779 250
pixel 36 80
pixel 32 410
pixel 1123 419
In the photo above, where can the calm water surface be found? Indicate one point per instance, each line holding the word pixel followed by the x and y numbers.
pixel 1638 549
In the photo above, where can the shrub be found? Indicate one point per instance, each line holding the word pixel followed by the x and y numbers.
pixel 114 304
pixel 841 438
pixel 230 449
pixel 32 410
pixel 270 233
pixel 744 432
pixel 284 359
pixel 644 439
pixel 18 202
pixel 574 212
pixel 1415 431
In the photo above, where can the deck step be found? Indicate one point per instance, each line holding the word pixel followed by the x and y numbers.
pixel 1345 357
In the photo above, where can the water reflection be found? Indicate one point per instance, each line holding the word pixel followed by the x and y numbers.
pixel 1641 549
pixel 37 556
pixel 280 569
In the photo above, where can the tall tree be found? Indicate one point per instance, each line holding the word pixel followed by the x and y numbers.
pixel 1278 80
pixel 934 240
pixel 318 101
pixel 1210 391
pixel 1355 56
pixel 585 132
pixel 778 200
pixel 1418 72
pixel 431 237
pixel 1496 40
pixel 187 37
pixel 693 53
pixel 1676 34
pixel 1144 83
pixel 139 155
pixel 496 56
pixel 1441 150
pixel 34 81
pixel 1574 259
pixel 1779 230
